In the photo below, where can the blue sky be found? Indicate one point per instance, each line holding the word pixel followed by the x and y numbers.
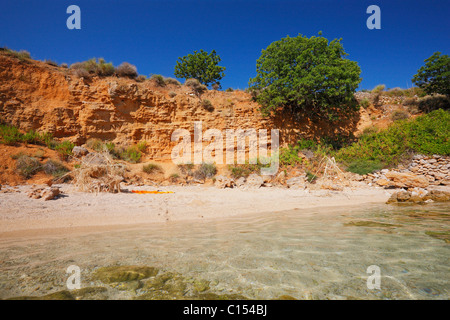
pixel 152 34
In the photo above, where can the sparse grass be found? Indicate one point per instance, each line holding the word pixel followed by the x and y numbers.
pixel 379 88
pixel 174 177
pixel 205 170
pixel 55 168
pixel 186 168
pixel 399 115
pixel 142 146
pixel 95 144
pixel 152 168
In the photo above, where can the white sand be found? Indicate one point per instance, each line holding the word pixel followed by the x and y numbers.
pixel 76 210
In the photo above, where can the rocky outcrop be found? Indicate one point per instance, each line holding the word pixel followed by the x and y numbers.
pixel 419 197
pixel 44 193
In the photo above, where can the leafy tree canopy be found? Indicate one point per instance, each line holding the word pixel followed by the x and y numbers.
pixel 434 76
pixel 306 76
pixel 202 66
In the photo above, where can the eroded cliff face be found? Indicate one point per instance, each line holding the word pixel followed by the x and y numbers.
pixel 35 95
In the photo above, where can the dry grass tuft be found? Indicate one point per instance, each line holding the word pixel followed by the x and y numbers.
pixel 98 173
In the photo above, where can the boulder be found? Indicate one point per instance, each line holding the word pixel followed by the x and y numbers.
pixel 223 182
pixel 254 181
pixel 296 183
pixel 79 151
pixel 240 182
pixel 406 180
pixel 50 193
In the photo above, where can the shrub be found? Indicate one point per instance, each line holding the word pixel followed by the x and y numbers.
pixel 215 86
pixel 31 137
pixel 427 134
pixel 172 81
pixel 174 177
pixel 363 167
pixel 186 168
pixel 229 90
pixel 55 168
pixel 126 69
pixel 141 78
pixel 51 63
pixel 142 146
pixel 379 88
pixel 310 177
pixel 93 66
pixel 205 170
pixel 27 166
pixel 10 135
pixel 152 168
pixel 365 103
pixel 95 144
pixel 202 66
pixel 289 156
pixel 306 76
pixel 434 102
pixel 243 170
pixel 399 115
pixel 65 149
pixel 196 86
pixel 64 65
pixel 172 94
pixel 207 105
pixel 131 154
pixel 158 79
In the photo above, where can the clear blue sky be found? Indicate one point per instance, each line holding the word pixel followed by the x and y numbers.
pixel 152 34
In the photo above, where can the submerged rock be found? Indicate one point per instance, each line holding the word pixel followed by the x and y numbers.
pixel 444 235
pixel 124 273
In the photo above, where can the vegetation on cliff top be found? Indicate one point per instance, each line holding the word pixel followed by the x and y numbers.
pixel 307 76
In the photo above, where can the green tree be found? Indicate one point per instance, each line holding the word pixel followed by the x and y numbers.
pixel 202 66
pixel 434 76
pixel 306 76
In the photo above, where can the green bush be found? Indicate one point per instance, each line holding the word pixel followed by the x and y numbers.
pixel 202 66
pixel 306 76
pixel 196 86
pixel 65 149
pixel 310 177
pixel 172 81
pixel 10 135
pixel 427 134
pixel 363 167
pixel 186 168
pixel 27 166
pixel 131 154
pixel 434 76
pixel 289 156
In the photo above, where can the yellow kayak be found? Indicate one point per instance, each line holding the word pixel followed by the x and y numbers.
pixel 152 192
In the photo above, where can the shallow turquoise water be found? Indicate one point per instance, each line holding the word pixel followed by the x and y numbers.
pixel 306 254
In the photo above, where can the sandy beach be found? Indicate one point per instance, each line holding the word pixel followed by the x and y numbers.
pixel 74 210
